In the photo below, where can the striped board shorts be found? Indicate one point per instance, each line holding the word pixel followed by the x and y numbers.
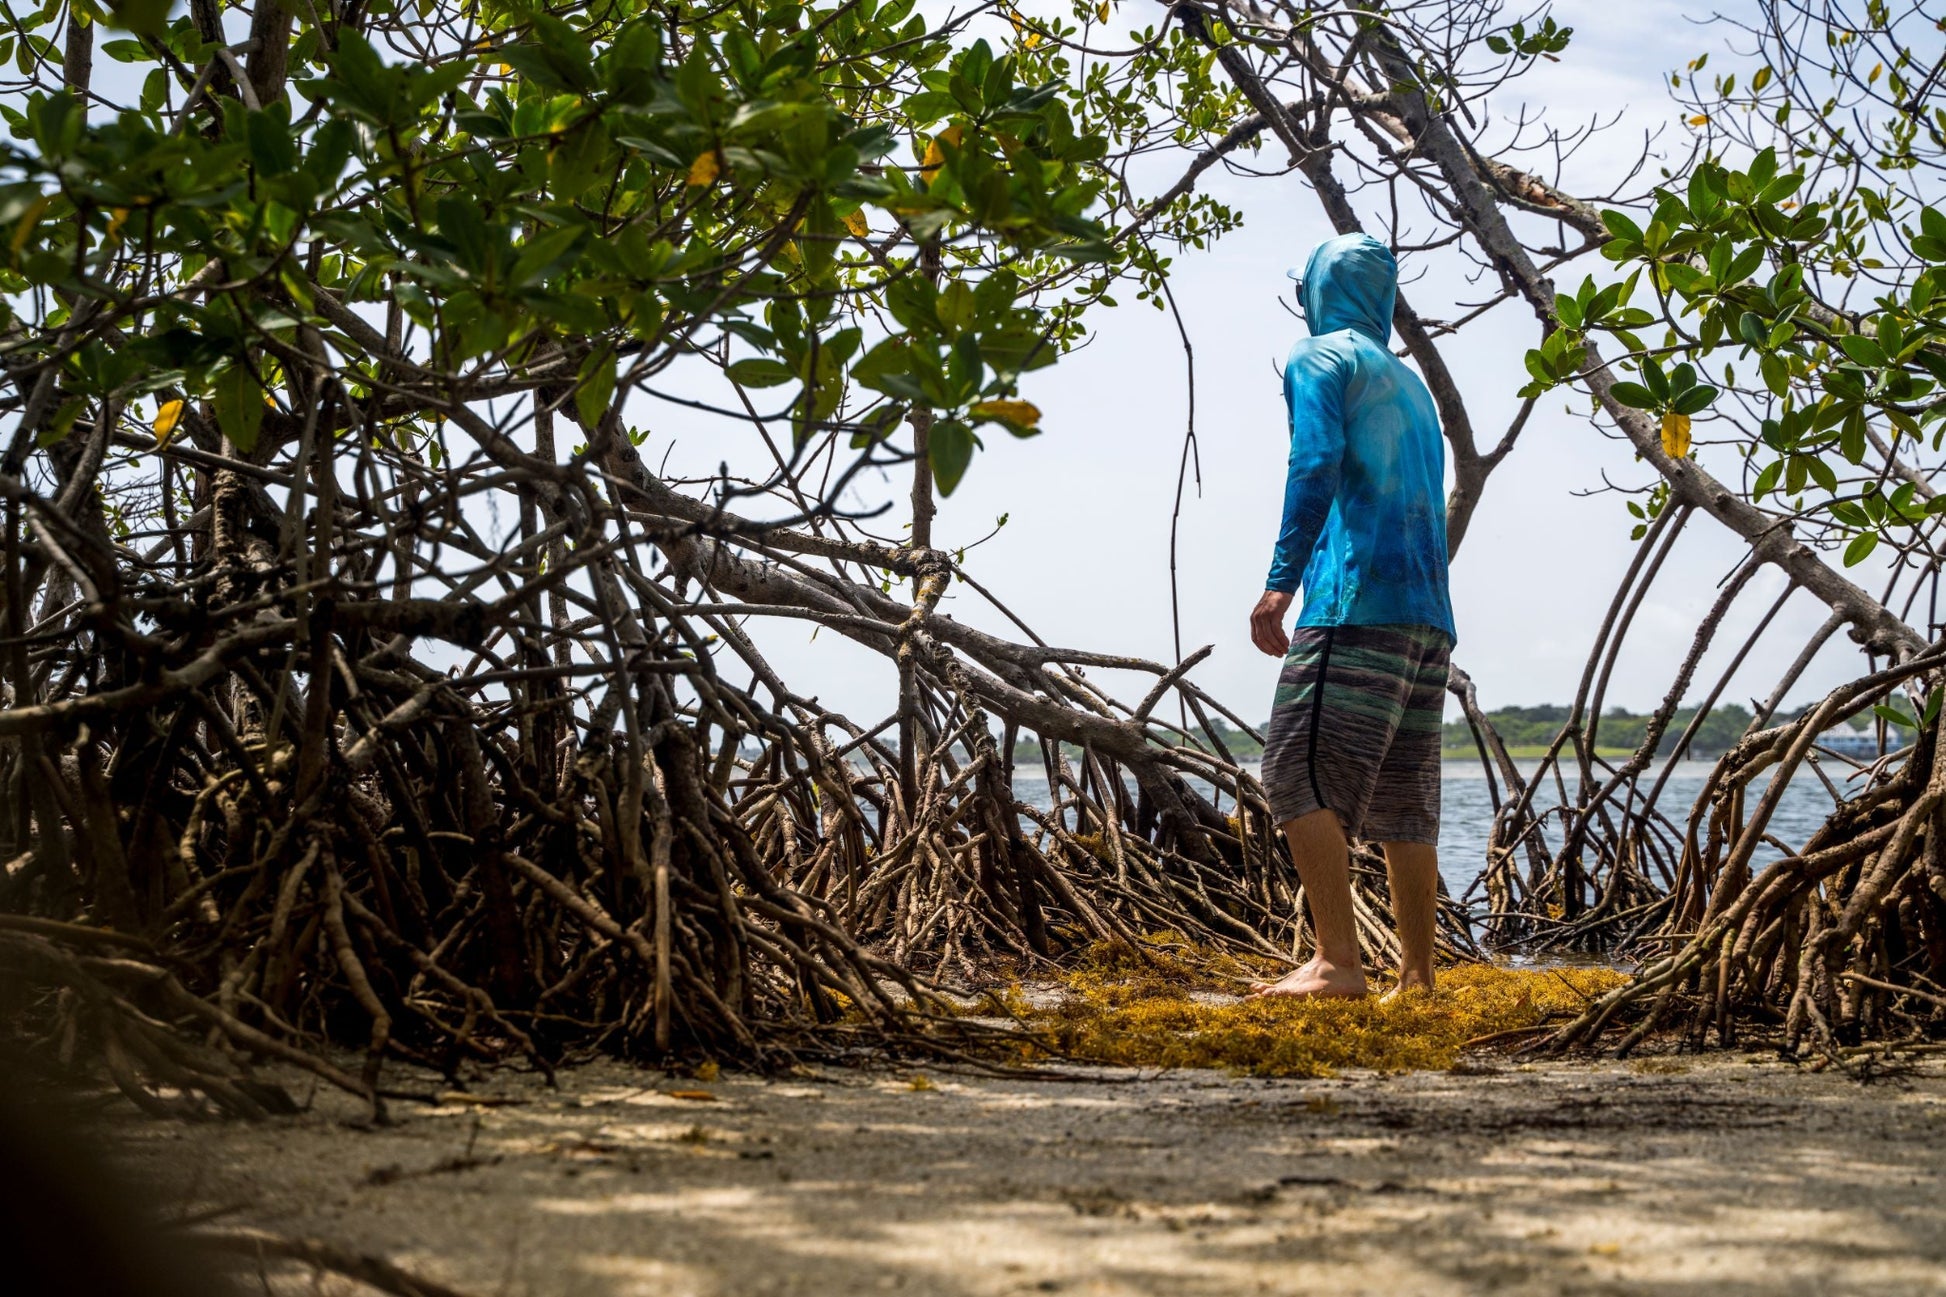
pixel 1356 730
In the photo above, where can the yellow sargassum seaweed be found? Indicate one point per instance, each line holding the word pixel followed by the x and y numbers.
pixel 1177 1010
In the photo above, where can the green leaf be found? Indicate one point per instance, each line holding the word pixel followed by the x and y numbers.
pixel 1781 188
pixel 1703 198
pixel 1766 480
pixel 1893 716
pixel 1654 379
pixel 1923 291
pixel 762 371
pixel 239 403
pixel 1634 394
pixel 561 61
pixel 1745 264
pixel 544 255
pixel 595 387
pixel 56 429
pixel 1851 513
pixel 143 17
pixel 1862 349
pixel 1693 399
pixel 1861 548
pixel 44 267
pixel 1621 224
pixel 949 446
pixel 460 221
pixel 956 307
pixel 887 357
pixel 272 150
pixel 331 147
pixel 1685 279
pixel 1851 440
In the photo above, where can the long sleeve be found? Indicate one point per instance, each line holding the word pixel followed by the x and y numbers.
pixel 1314 389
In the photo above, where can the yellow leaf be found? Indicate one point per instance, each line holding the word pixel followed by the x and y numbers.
pixel 29 220
pixel 1700 119
pixel 935 155
pixel 167 416
pixel 855 222
pixel 1101 10
pixel 704 170
pixel 115 220
pixel 1675 435
pixel 1022 414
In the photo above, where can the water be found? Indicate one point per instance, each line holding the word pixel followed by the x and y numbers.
pixel 1466 809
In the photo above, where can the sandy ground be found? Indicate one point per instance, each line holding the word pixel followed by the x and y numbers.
pixel 1728 1176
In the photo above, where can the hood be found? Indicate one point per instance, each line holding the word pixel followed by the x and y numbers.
pixel 1350 282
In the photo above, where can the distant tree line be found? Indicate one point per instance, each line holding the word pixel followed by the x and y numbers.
pixel 1528 731
pixel 1524 728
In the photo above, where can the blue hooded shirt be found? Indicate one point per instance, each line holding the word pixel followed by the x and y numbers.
pixel 1364 526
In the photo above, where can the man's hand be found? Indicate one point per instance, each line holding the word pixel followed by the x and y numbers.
pixel 1267 623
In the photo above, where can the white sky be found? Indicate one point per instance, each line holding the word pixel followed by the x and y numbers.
pixel 1084 557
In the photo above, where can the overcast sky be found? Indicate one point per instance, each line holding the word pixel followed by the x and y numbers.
pixel 1084 557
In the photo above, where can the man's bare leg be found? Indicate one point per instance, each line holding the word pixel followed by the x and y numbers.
pixel 1324 865
pixel 1413 868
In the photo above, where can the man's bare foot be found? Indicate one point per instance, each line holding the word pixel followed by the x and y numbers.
pixel 1317 980
pixel 1408 987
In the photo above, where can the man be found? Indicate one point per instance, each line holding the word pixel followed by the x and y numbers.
pixel 1353 745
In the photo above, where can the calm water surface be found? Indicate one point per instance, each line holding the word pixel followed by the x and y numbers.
pixel 1466 811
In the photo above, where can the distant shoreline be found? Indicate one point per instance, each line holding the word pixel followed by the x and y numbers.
pixel 1535 751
